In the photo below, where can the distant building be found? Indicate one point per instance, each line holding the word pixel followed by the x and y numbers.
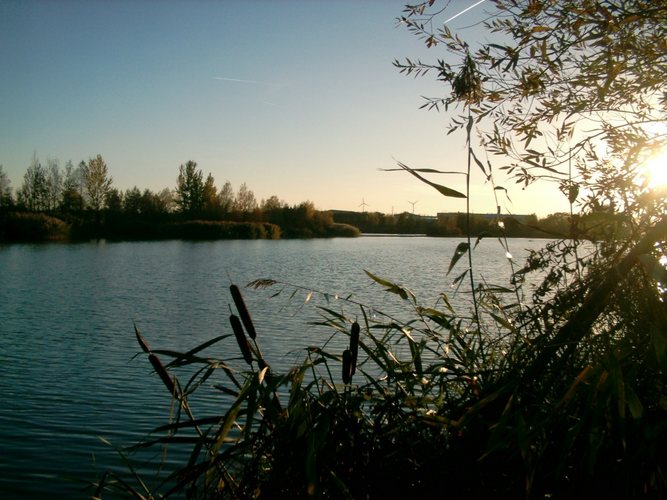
pixel 522 218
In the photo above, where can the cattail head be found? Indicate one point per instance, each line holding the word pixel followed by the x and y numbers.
pixel 354 345
pixel 347 366
pixel 243 311
pixel 240 338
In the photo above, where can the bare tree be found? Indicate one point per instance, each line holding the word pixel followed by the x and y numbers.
pixel 54 183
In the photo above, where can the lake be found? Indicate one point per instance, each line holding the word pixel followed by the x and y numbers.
pixel 67 344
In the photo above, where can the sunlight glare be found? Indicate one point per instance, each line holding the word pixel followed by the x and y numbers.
pixel 655 170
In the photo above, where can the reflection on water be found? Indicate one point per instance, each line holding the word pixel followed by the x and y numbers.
pixel 67 346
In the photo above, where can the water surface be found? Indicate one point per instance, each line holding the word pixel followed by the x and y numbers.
pixel 67 347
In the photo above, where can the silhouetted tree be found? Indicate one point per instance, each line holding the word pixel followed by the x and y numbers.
pixel 113 200
pixel 210 201
pixel 33 194
pixel 132 201
pixel 165 200
pixel 245 201
pixel 189 188
pixel 72 199
pixel 97 183
pixel 54 184
pixel 226 198
pixel 272 203
pixel 6 199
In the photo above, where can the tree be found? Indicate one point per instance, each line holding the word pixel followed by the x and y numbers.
pixel 149 203
pixel 189 188
pixel 210 201
pixel 562 79
pixel 226 198
pixel 72 199
pixel 6 200
pixel 54 184
pixel 33 194
pixel 97 182
pixel 245 201
pixel 113 200
pixel 272 203
pixel 165 200
pixel 132 201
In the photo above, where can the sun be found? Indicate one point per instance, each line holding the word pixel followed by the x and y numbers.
pixel 655 170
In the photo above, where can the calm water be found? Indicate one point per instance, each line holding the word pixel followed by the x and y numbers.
pixel 67 344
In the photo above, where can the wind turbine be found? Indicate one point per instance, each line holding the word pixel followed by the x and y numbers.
pixel 363 205
pixel 413 203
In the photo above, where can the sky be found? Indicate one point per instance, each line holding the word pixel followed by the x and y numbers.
pixel 296 98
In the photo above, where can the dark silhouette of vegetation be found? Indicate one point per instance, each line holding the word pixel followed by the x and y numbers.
pixel 26 226
pixel 6 198
pixel 190 189
pixel 558 396
pixel 456 224
pixel 83 203
pixel 84 200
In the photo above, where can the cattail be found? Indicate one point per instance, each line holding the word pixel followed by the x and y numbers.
pixel 354 346
pixel 347 366
pixel 240 338
pixel 243 311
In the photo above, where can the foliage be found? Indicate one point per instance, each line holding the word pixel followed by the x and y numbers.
pixel 26 226
pixel 54 184
pixel 189 188
pixel 565 95
pixel 226 197
pixel 33 194
pixel 6 199
pixel 244 201
pixel 97 183
pixel 210 199
pixel 72 199
pixel 211 230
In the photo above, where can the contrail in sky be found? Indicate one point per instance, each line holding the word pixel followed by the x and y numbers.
pixel 464 11
pixel 239 80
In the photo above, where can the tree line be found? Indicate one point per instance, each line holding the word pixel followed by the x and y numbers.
pixel 87 203
pixel 455 224
pixel 84 198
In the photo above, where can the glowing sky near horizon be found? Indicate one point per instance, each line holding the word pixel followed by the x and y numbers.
pixel 298 99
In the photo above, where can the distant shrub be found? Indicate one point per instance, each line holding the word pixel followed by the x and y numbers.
pixel 343 230
pixel 213 230
pixel 23 226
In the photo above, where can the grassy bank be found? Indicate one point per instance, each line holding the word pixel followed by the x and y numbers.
pixel 36 227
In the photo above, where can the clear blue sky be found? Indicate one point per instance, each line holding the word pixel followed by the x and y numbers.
pixel 296 98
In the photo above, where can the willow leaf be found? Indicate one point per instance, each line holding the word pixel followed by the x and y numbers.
pixel 443 190
pixel 423 170
pixel 479 164
pixel 404 293
pixel 461 249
